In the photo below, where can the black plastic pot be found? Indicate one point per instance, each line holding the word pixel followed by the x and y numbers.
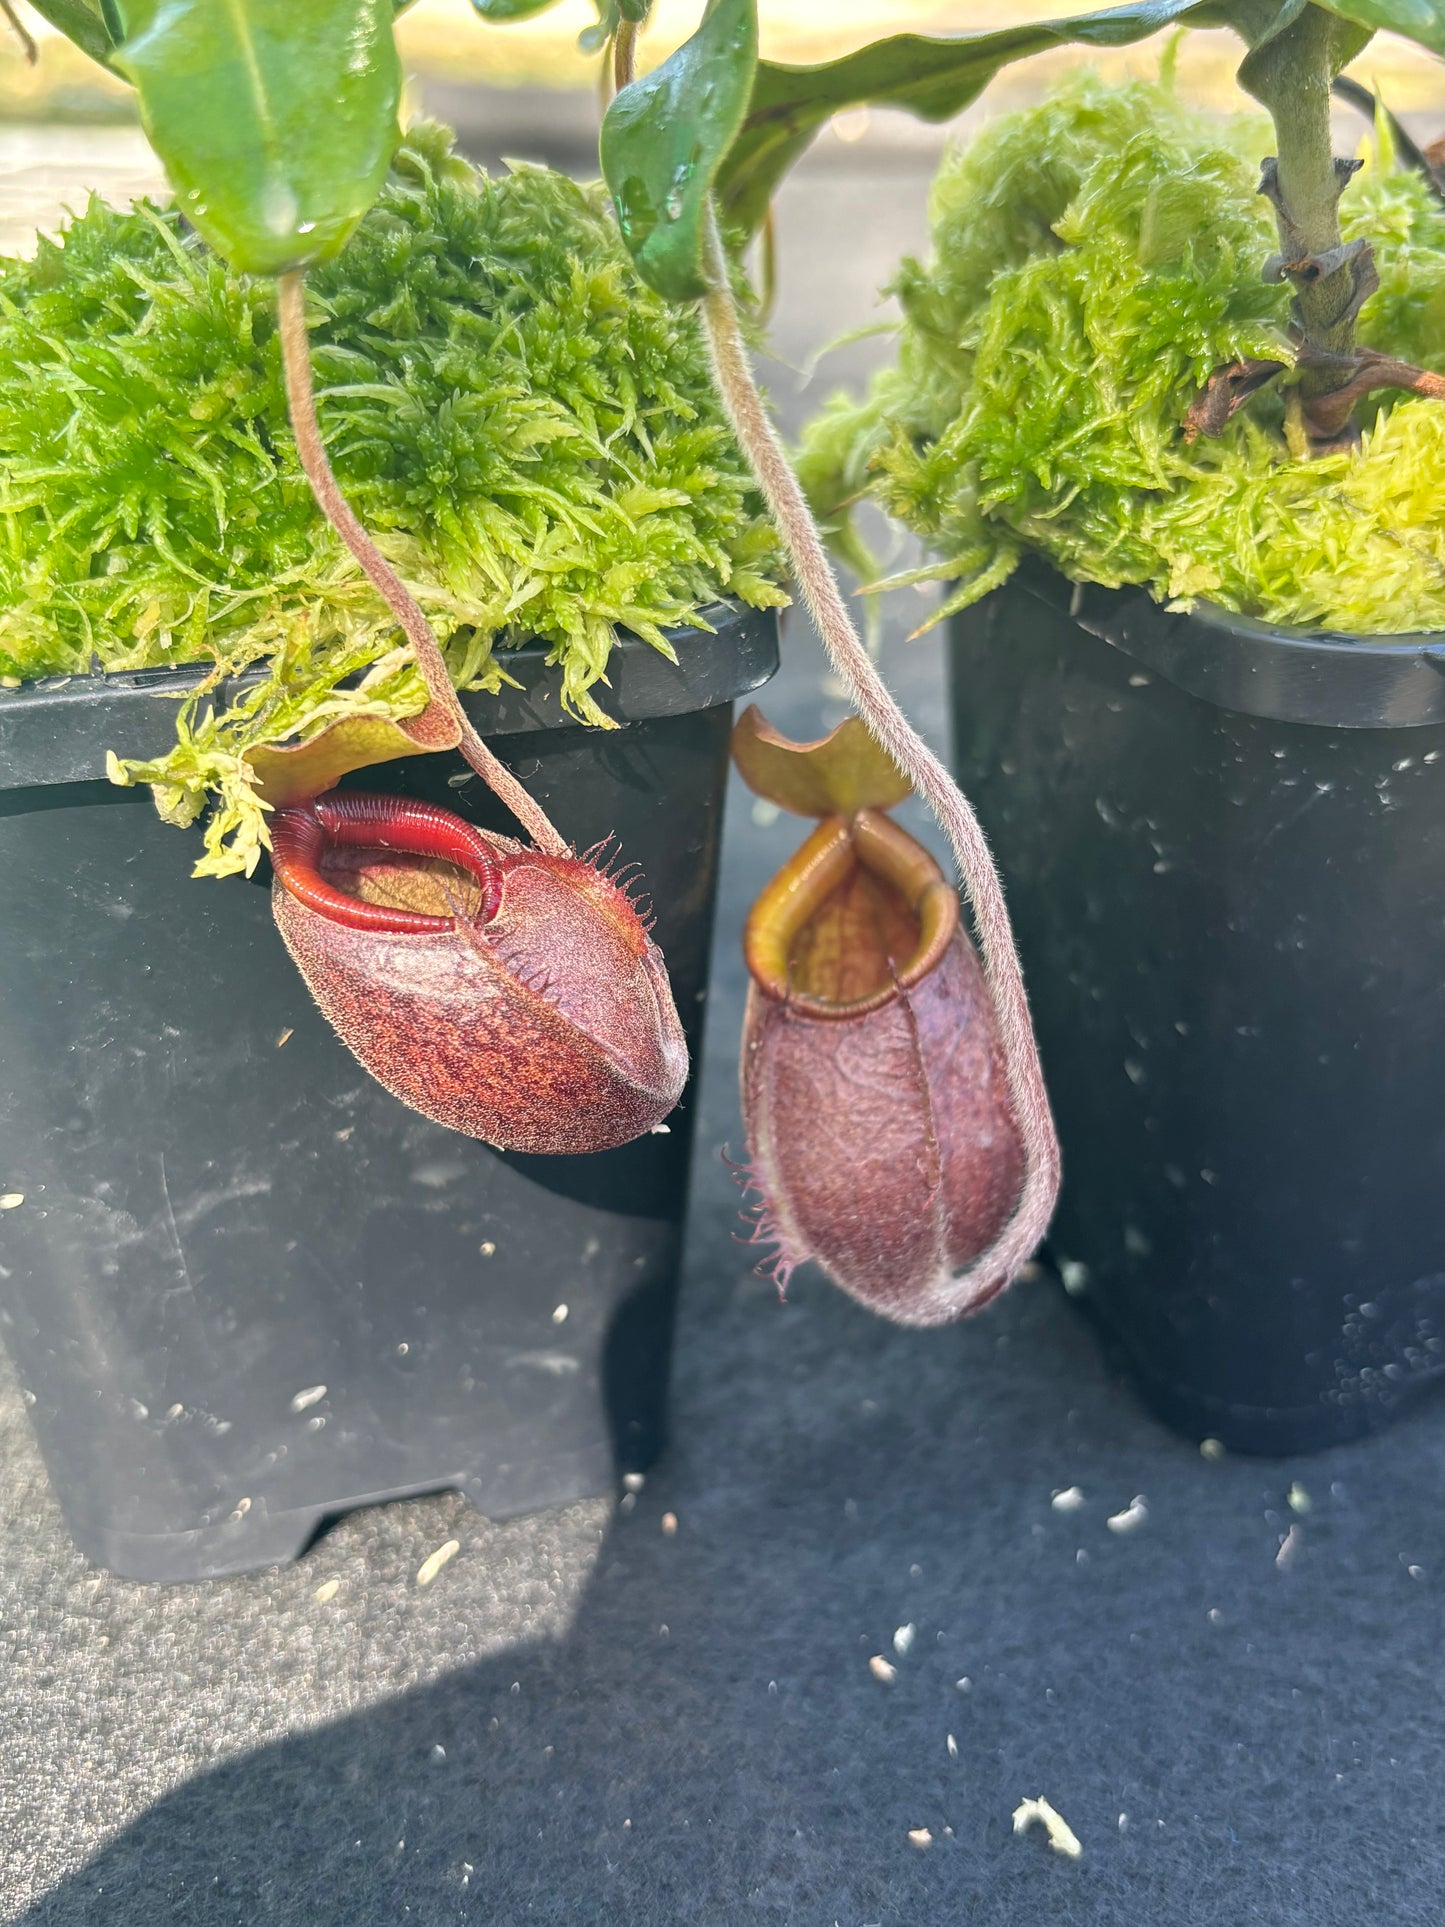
pixel 246 1288
pixel 1224 849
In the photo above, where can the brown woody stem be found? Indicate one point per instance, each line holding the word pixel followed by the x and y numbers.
pixel 624 54
pixel 1225 393
pixel 780 487
pixel 301 401
pixel 1324 420
pixel 1353 377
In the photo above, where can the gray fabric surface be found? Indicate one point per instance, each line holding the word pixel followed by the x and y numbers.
pixel 588 1718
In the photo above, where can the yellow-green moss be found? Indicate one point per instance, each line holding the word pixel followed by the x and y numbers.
pixel 1094 259
pixel 530 433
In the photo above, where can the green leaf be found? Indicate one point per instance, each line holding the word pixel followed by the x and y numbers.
pixel 665 138
pixel 1420 20
pixel 932 77
pixel 276 119
pixel 82 21
pixel 501 10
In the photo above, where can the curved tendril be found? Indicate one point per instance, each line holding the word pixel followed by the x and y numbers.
pixel 301 400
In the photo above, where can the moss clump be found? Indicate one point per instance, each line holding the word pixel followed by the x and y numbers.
pixel 1094 259
pixel 529 433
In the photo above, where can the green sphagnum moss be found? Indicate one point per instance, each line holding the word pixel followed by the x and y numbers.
pixel 529 433
pixel 1094 259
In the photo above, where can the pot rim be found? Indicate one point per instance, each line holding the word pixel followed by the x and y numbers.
pixel 58 729
pixel 1316 676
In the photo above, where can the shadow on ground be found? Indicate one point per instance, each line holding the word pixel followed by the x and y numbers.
pixel 708 1742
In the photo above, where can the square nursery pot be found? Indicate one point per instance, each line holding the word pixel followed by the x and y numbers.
pixel 1224 848
pixel 247 1289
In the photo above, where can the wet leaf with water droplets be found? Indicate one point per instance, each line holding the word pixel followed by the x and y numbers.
pixel 276 119
pixel 664 139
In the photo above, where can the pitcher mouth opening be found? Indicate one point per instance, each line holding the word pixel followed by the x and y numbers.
pixel 916 917
pixel 311 842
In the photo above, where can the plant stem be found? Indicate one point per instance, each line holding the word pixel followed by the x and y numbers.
pixel 22 33
pixel 764 451
pixel 1309 191
pixel 301 400
pixel 624 54
pixel 1291 73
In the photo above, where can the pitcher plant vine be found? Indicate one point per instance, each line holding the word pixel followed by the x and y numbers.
pixel 277 125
